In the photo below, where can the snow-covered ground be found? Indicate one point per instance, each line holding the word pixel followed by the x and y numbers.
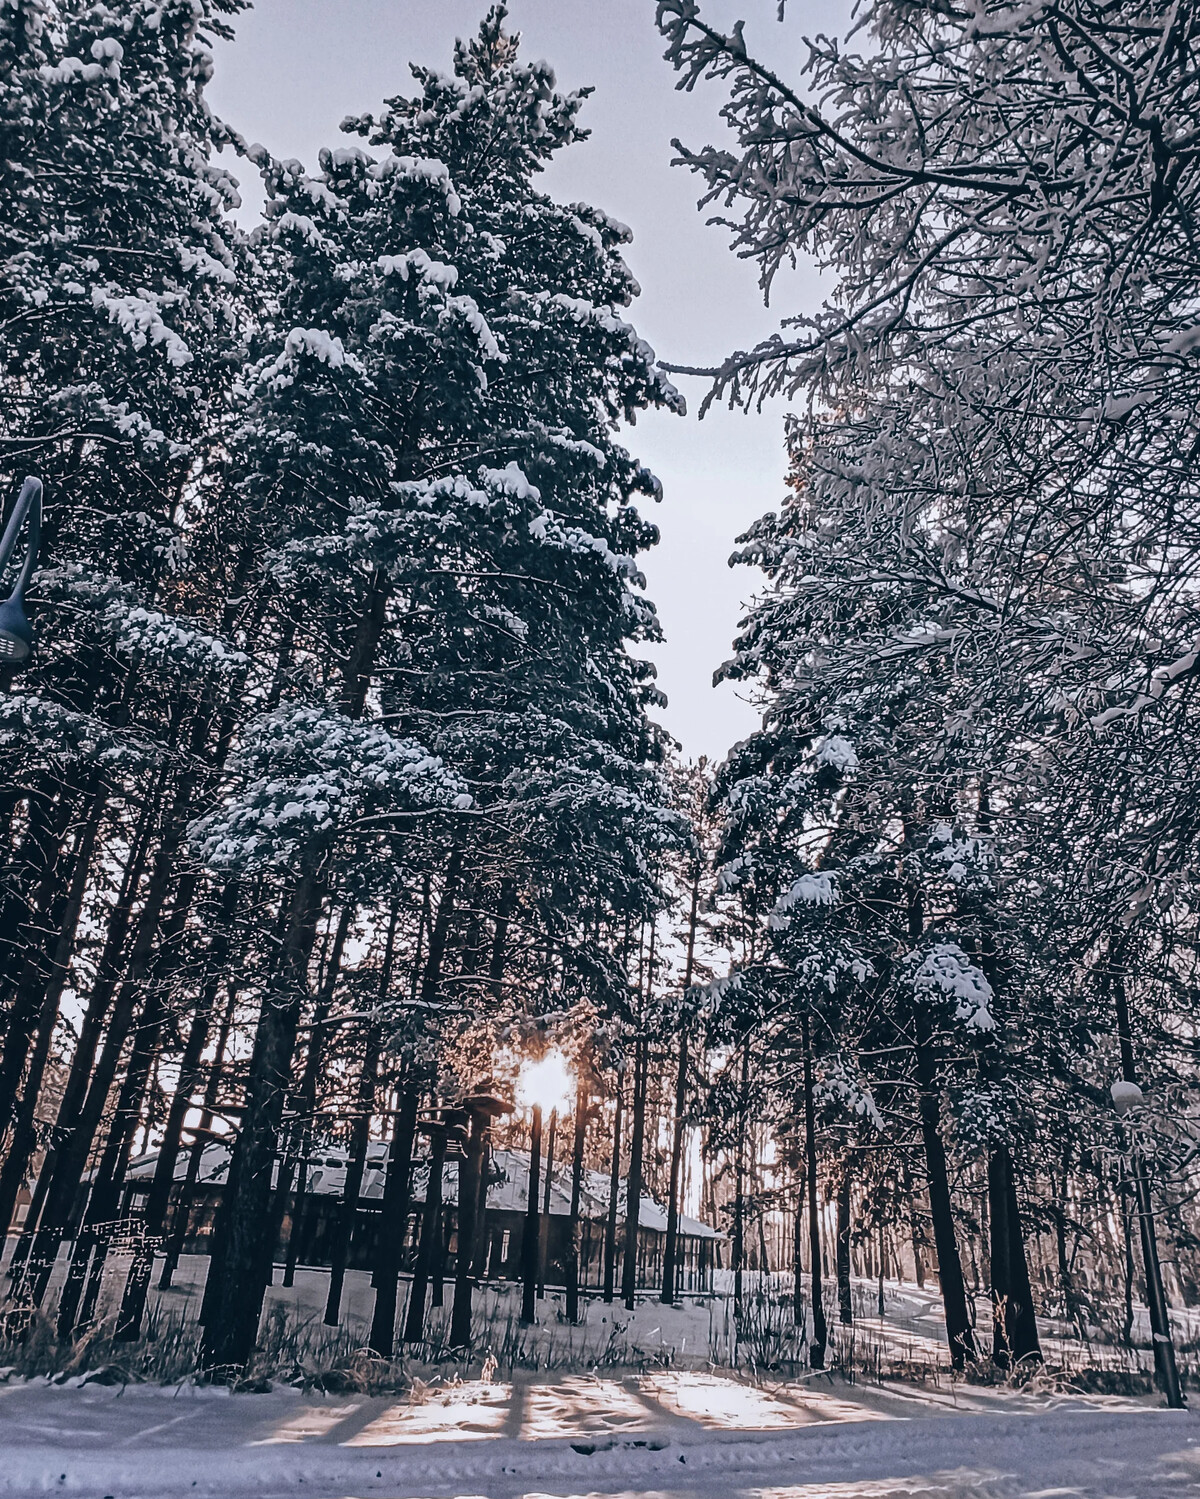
pixel 666 1436
pixel 698 1332
pixel 667 1426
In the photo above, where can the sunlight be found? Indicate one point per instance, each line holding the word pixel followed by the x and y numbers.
pixel 546 1081
pixel 465 1413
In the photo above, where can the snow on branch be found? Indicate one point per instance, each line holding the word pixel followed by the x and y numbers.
pixel 947 973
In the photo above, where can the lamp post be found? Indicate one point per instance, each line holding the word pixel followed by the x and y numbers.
pixel 1126 1095
pixel 16 636
pixel 481 1109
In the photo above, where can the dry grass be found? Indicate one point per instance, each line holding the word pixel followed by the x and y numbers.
pixel 766 1343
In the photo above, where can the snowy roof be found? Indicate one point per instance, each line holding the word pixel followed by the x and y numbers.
pixel 508 1185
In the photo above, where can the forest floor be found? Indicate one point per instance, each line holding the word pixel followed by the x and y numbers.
pixel 635 1404
pixel 670 1435
pixel 908 1341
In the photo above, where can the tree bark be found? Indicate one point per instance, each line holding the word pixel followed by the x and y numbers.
pixel 959 1332
pixel 294 1168
pixel 240 1252
pixel 183 1205
pixel 577 1155
pixel 23 1139
pixel 104 986
pixel 633 1187
pixel 1014 1325
pixel 845 1293
pixel 820 1337
pixel 470 1168
pixel 105 1195
pixel 360 1137
pixel 671 1247
pixel 798 1256
pixel 431 1227
pixel 614 1182
pixel 43 915
pixel 70 1163
pixel 137 1284
pixel 392 1225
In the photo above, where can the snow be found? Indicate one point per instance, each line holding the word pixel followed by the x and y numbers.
pixel 325 347
pixel 947 970
pixel 839 753
pixel 666 1422
pixel 838 1085
pixel 813 889
pixel 435 272
pixel 138 318
pixel 661 1435
pixel 1126 1096
pixel 435 174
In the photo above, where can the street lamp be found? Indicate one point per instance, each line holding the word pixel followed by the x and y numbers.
pixel 1126 1096
pixel 545 1083
pixel 16 636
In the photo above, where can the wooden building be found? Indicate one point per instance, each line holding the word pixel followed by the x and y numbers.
pixel 312 1216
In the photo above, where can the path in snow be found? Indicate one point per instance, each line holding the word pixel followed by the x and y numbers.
pixel 671 1435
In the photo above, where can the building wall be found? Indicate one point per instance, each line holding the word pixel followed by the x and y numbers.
pixel 504 1233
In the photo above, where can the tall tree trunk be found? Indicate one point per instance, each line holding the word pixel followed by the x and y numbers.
pixel 23 1139
pixel 959 1331
pixel 798 1256
pixel 183 1206
pixel 104 1198
pixel 577 1155
pixel 104 986
pixel 1014 1325
pixel 820 1337
pixel 294 1169
pixel 633 1188
pixel 671 1247
pixel 738 1248
pixel 240 1252
pixel 547 1187
pixel 71 1161
pixel 1156 1300
pixel 845 1293
pixel 393 1221
pixel 360 1137
pixel 614 1183
pixel 32 963
pixel 470 1167
pixel 431 1228
pixel 191 1069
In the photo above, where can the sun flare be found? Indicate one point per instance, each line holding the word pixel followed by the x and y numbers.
pixel 547 1081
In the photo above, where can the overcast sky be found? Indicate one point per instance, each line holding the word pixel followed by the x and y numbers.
pixel 299 66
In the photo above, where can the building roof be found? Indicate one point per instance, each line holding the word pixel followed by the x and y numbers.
pixel 508 1183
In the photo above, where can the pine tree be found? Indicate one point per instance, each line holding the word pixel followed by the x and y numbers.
pixel 429 449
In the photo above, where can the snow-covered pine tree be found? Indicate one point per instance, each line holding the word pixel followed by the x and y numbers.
pixel 122 309
pixel 1002 502
pixel 429 447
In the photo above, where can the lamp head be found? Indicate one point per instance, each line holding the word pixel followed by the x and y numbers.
pixel 16 635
